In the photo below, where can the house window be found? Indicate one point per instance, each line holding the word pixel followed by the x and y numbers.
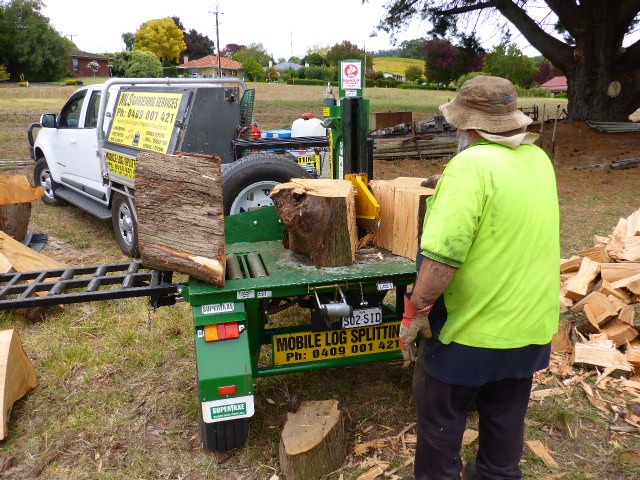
pixel 76 65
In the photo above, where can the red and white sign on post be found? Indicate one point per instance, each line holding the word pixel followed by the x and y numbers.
pixel 351 76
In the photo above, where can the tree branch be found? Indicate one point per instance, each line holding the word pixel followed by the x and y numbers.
pixel 626 13
pixel 466 8
pixel 569 14
pixel 630 59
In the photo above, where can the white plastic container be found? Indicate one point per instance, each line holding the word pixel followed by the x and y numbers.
pixel 308 126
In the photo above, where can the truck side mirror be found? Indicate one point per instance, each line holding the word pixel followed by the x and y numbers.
pixel 48 120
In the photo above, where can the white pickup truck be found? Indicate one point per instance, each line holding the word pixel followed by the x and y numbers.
pixel 86 154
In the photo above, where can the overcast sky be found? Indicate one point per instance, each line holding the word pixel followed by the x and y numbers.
pixel 284 27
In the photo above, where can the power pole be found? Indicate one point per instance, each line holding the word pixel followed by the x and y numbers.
pixel 216 13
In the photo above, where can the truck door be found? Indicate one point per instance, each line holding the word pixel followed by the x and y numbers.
pixel 80 165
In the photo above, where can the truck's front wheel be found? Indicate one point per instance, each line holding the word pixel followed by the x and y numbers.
pixel 42 177
pixel 224 436
pixel 125 226
pixel 247 183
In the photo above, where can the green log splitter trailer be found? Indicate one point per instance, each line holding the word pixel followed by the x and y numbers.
pixel 270 278
pixel 342 317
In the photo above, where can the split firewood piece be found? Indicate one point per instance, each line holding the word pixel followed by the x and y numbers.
pixel 630 283
pixel 624 249
pixel 374 472
pixel 633 224
pixel 181 214
pixel 17 189
pixel 538 448
pixel 612 272
pixel 633 355
pixel 320 218
pixel 582 282
pixel 599 310
pixel 572 264
pixel 597 254
pixel 17 375
pixel 628 315
pixel 631 455
pixel 402 209
pixel 579 305
pixel 618 293
pixel 599 240
pixel 5 265
pixel 600 354
pixel 312 443
pixel 25 259
pixel 561 342
pixel 620 230
pixel 620 332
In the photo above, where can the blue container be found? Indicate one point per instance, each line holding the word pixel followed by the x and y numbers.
pixel 276 133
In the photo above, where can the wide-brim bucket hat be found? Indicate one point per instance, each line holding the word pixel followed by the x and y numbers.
pixel 486 103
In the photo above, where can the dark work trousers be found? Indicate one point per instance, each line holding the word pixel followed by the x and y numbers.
pixel 442 413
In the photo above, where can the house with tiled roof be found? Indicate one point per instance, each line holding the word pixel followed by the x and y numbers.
pixel 556 85
pixel 79 64
pixel 208 67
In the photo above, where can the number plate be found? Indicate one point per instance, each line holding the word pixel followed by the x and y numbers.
pixel 301 347
pixel 363 318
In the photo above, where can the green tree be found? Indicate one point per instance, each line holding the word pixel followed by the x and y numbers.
pixel 254 51
pixel 143 64
pixel 161 37
pixel 253 70
pixel 602 75
pixel 507 61
pixel 136 64
pixel 345 51
pixel 314 59
pixel 4 74
pixel 129 40
pixel 412 48
pixel 28 43
pixel 413 73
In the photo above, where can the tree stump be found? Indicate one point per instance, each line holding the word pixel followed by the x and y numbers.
pixel 17 375
pixel 14 219
pixel 320 218
pixel 312 443
pixel 180 214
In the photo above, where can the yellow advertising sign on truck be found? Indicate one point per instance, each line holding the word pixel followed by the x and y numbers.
pixel 145 120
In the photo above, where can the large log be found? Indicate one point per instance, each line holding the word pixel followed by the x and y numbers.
pixel 320 218
pixel 14 219
pixel 402 209
pixel 181 215
pixel 312 443
pixel 17 375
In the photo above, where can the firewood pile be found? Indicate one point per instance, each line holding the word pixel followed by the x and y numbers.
pixel 601 293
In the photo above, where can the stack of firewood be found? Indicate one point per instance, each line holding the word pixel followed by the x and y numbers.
pixel 603 283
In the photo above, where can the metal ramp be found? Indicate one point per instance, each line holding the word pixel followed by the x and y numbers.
pixel 86 284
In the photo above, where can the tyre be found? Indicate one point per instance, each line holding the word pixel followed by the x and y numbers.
pixel 224 436
pixel 42 177
pixel 124 224
pixel 247 183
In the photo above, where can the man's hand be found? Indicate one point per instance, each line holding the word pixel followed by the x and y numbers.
pixel 413 322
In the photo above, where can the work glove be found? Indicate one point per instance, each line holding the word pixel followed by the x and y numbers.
pixel 413 322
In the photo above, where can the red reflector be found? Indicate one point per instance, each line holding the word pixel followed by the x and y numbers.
pixel 228 390
pixel 228 330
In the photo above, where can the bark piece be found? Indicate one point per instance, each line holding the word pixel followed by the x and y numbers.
pixel 181 215
pixel 17 375
pixel 561 341
pixel 582 282
pixel 402 209
pixel 541 452
pixel 320 218
pixel 632 455
pixel 17 189
pixel 312 443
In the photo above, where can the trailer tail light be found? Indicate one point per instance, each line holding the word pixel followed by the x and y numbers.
pixel 227 390
pixel 221 331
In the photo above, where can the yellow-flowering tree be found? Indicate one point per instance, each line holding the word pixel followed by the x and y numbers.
pixel 161 37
